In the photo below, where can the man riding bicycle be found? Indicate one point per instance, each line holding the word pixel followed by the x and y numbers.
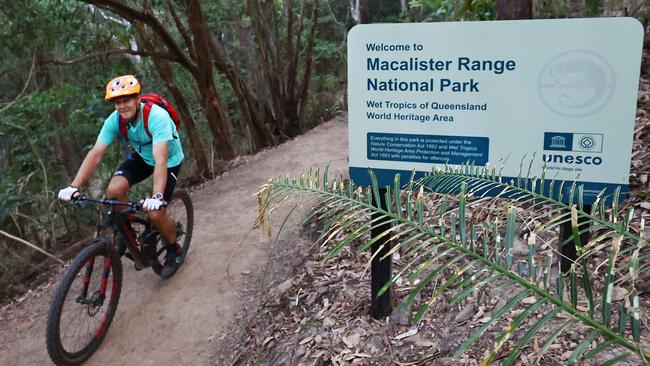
pixel 156 150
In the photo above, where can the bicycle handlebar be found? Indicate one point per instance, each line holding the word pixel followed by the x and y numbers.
pixel 137 206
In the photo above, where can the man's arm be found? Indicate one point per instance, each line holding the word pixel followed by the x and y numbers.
pixel 88 166
pixel 160 155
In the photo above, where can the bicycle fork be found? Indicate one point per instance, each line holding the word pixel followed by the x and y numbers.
pixel 95 302
pixel 96 299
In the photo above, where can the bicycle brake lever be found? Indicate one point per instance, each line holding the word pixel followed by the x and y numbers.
pixel 137 205
pixel 80 203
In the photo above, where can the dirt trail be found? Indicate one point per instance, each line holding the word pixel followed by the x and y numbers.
pixel 179 321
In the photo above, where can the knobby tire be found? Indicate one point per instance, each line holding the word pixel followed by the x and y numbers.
pixel 180 200
pixel 100 247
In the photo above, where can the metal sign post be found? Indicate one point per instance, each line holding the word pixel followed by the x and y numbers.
pixel 380 269
pixel 568 250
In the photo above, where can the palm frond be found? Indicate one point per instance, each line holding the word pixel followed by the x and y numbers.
pixel 463 231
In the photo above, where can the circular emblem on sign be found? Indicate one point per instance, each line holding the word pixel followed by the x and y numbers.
pixel 587 142
pixel 576 83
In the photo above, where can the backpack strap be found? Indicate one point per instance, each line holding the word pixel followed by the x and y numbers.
pixel 122 135
pixel 121 124
pixel 145 118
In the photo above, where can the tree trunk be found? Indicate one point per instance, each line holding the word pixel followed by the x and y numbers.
pixel 302 100
pixel 257 79
pixel 166 74
pixel 250 107
pixel 514 9
pixel 293 56
pixel 70 159
pixel 214 111
pixel 186 117
pixel 272 72
pixel 5 153
pixel 361 12
pixel 287 82
pixel 292 53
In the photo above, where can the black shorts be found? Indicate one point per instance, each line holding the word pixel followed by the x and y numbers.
pixel 135 170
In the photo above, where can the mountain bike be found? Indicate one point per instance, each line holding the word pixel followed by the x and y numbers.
pixel 85 302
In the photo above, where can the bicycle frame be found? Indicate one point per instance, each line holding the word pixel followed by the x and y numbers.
pixel 119 223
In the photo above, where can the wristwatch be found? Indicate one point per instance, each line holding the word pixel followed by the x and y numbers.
pixel 158 196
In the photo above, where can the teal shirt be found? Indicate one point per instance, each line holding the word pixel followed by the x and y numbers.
pixel 161 127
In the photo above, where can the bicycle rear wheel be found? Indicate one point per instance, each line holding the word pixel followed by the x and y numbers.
pixel 84 304
pixel 181 211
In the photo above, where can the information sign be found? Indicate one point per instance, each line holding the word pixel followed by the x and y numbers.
pixel 562 91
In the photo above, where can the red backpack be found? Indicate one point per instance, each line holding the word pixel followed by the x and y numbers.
pixel 149 100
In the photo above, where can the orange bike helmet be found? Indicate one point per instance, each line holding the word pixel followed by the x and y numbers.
pixel 121 86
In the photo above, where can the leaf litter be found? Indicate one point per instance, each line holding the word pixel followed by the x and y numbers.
pixel 320 313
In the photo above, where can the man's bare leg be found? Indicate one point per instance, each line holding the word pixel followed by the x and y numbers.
pixel 118 189
pixel 165 225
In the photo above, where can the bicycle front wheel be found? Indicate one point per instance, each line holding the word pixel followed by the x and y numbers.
pixel 84 304
pixel 181 211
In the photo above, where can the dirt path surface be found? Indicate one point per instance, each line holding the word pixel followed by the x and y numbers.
pixel 179 321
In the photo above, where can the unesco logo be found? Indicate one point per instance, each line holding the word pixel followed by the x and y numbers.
pixel 574 141
pixel 587 142
pixel 576 83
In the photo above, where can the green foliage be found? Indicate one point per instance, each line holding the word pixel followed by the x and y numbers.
pixel 52 107
pixel 385 11
pixel 44 107
pixel 454 10
pixel 459 240
pixel 593 7
pixel 446 10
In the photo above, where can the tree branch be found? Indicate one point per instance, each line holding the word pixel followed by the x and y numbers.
pixel 147 18
pixel 166 56
pixel 181 29
pixel 23 241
